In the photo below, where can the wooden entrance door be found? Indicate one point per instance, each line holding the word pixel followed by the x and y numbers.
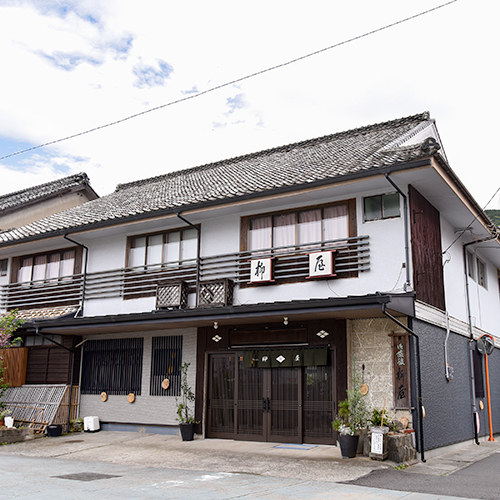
pixel 268 405
pixel 286 404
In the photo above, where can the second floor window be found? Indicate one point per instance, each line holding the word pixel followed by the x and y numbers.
pixel 172 248
pixel 384 206
pixel 49 267
pixel 299 227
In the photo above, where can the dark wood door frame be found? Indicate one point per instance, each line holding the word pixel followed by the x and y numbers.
pixel 267 404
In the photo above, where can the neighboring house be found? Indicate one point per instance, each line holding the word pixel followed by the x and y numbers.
pixel 34 203
pixel 277 275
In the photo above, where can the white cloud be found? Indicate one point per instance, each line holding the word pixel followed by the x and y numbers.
pixel 75 65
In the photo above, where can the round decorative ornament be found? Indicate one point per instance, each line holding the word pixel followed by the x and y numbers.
pixel 165 384
pixel 104 397
pixel 131 397
pixel 363 389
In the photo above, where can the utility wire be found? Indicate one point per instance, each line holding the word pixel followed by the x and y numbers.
pixel 495 230
pixel 227 84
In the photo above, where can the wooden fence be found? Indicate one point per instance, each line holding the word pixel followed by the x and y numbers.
pixel 15 361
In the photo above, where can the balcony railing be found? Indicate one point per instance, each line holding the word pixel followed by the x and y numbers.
pixel 291 264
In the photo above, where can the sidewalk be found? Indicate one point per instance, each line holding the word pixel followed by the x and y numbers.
pixel 299 466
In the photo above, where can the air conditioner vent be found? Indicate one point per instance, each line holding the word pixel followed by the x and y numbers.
pixel 172 295
pixel 215 293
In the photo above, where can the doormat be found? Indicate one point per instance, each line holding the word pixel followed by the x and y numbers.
pixel 295 446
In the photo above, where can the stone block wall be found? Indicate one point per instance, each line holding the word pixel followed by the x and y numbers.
pixel 369 345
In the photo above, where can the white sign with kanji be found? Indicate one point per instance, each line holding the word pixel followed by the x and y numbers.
pixel 261 270
pixel 321 264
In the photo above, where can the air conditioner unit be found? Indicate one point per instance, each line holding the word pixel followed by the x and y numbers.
pixel 172 295
pixel 215 293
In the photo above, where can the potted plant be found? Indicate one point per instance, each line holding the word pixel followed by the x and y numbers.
pixel 352 417
pixel 185 412
pixel 4 413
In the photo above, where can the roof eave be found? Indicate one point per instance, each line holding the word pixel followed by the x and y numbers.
pixel 362 174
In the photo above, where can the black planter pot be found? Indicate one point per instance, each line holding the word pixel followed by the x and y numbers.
pixel 187 431
pixel 348 445
pixel 54 430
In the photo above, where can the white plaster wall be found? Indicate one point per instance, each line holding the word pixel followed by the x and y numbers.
pixel 485 302
pixel 482 300
pixel 152 410
pixel 222 235
pixel 116 305
pixel 386 256
pixel 107 253
pixel 453 272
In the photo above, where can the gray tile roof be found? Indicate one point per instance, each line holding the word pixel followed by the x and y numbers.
pixel 20 199
pixel 292 166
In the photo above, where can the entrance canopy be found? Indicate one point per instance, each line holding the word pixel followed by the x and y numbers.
pixel 362 306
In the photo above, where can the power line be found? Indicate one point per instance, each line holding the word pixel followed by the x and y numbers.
pixel 472 222
pixel 227 84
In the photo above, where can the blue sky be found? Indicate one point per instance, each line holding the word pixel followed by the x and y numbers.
pixel 76 65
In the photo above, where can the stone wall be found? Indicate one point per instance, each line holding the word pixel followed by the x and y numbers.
pixel 13 435
pixel 369 345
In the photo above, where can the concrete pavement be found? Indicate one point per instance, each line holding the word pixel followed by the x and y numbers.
pixel 139 465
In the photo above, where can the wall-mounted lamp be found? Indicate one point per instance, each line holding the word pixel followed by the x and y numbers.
pixel 285 320
pixel 216 325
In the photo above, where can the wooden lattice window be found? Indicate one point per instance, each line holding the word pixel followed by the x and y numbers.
pixel 113 366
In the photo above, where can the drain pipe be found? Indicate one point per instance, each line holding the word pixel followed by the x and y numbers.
pixel 471 348
pixel 475 414
pixel 72 351
pixel 198 247
pixel 84 281
pixel 419 379
pixel 407 285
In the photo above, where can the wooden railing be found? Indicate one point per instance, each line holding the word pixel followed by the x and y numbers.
pixel 291 263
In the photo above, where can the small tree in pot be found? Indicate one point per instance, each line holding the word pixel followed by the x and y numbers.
pixel 352 416
pixel 185 412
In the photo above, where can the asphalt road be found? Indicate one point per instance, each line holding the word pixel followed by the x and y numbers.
pixel 56 479
pixel 112 465
pixel 478 480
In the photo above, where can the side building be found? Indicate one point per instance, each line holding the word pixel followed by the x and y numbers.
pixel 279 276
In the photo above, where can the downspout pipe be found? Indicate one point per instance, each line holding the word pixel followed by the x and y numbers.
pixel 198 248
pixel 72 351
pixel 407 285
pixel 471 334
pixel 419 379
pixel 84 281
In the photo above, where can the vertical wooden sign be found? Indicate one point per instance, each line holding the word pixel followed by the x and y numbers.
pixel 401 370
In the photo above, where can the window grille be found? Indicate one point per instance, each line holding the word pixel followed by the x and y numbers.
pixel 113 366
pixel 166 360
